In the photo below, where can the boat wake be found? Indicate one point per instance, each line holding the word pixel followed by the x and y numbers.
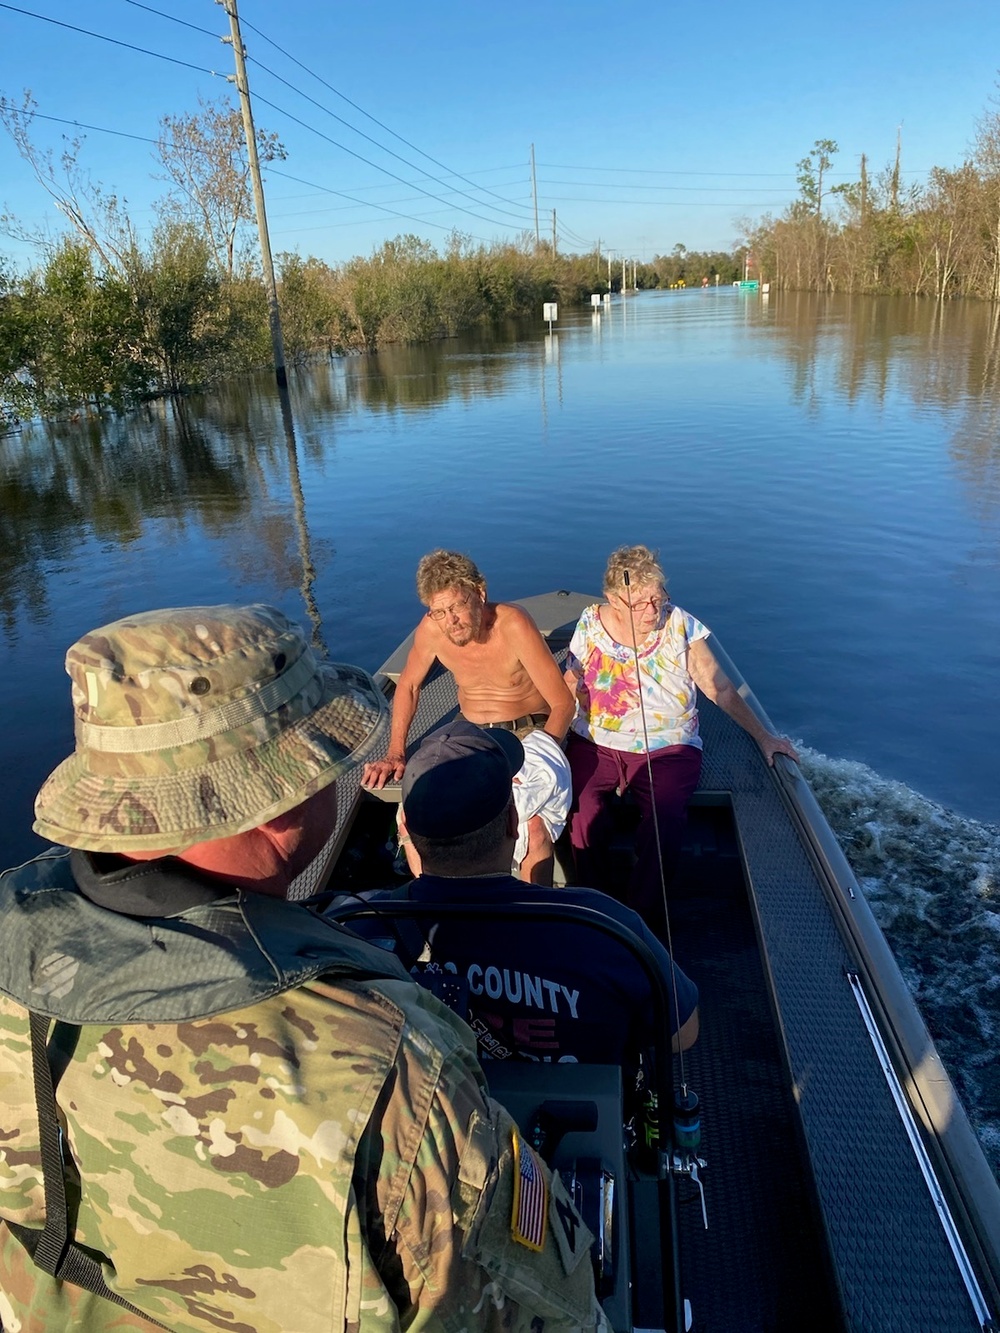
pixel 932 879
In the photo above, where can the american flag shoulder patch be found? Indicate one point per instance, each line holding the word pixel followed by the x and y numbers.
pixel 530 1208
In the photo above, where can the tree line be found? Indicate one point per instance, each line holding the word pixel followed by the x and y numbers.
pixel 105 321
pixel 880 235
pixel 78 334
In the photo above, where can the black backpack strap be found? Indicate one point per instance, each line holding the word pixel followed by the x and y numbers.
pixel 51 1248
pixel 52 1243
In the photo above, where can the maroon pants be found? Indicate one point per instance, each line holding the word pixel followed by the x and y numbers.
pixel 597 773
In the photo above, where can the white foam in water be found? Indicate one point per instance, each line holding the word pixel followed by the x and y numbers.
pixel 932 879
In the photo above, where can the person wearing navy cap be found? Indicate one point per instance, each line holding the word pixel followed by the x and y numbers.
pixel 553 991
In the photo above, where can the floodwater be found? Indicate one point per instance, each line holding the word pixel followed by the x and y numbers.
pixel 820 475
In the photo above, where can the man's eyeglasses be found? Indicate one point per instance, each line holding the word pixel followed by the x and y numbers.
pixel 440 612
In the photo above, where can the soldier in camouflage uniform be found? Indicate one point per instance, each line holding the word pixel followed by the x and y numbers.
pixel 266 1127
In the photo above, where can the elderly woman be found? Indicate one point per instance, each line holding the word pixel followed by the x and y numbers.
pixel 616 744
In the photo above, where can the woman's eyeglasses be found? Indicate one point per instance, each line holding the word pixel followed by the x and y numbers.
pixel 648 603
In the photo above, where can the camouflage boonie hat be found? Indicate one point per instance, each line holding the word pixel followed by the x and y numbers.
pixel 200 723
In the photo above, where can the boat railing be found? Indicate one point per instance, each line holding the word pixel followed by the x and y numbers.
pixel 962 1168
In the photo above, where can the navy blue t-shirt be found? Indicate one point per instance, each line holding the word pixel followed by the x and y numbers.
pixel 540 990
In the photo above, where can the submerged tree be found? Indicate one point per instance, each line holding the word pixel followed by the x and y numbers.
pixel 18 326
pixel 82 336
pixel 179 297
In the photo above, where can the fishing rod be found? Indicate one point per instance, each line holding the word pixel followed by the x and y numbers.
pixel 686 1112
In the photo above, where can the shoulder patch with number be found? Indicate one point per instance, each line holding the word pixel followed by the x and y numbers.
pixel 573 1240
pixel 530 1207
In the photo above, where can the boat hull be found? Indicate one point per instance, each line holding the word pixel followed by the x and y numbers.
pixel 875 1143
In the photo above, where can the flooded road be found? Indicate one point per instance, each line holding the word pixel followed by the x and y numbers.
pixel 820 475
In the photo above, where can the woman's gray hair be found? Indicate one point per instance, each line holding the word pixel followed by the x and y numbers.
pixel 642 566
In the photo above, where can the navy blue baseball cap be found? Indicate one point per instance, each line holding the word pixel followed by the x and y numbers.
pixel 459 779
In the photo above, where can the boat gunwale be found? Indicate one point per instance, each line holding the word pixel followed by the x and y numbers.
pixel 963 1170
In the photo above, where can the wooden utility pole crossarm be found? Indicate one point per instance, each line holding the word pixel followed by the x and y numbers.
pixel 243 88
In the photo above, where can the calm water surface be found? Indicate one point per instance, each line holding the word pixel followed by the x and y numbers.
pixel 821 476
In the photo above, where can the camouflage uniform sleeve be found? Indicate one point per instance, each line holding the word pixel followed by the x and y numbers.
pixel 459 1240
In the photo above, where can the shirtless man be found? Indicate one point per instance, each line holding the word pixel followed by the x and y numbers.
pixel 505 676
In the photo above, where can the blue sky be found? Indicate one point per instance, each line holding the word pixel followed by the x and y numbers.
pixel 653 124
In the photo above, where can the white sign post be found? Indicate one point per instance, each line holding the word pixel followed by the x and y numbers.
pixel 595 300
pixel 550 311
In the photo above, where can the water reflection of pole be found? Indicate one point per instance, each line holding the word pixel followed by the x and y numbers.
pixel 552 354
pixel 299 502
pixel 541 382
pixel 990 359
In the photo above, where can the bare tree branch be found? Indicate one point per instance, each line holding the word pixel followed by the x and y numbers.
pixel 204 158
pixel 97 217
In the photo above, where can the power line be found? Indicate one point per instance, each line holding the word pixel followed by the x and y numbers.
pixel 139 138
pixel 282 199
pixel 422 220
pixel 186 64
pixel 361 203
pixel 369 139
pixel 174 19
pixel 657 203
pixel 312 73
pixel 377 185
pixel 748 175
pixel 572 235
pixel 368 203
pixel 78 124
pixel 101 37
pixel 652 171
pixel 214 73
pixel 354 129
pixel 690 189
pixel 408 184
pixel 368 162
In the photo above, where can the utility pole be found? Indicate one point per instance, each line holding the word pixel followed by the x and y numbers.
pixel 623 274
pixel 534 195
pixel 553 233
pixel 895 170
pixel 243 88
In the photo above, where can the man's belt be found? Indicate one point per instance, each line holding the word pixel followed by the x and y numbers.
pixel 528 720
